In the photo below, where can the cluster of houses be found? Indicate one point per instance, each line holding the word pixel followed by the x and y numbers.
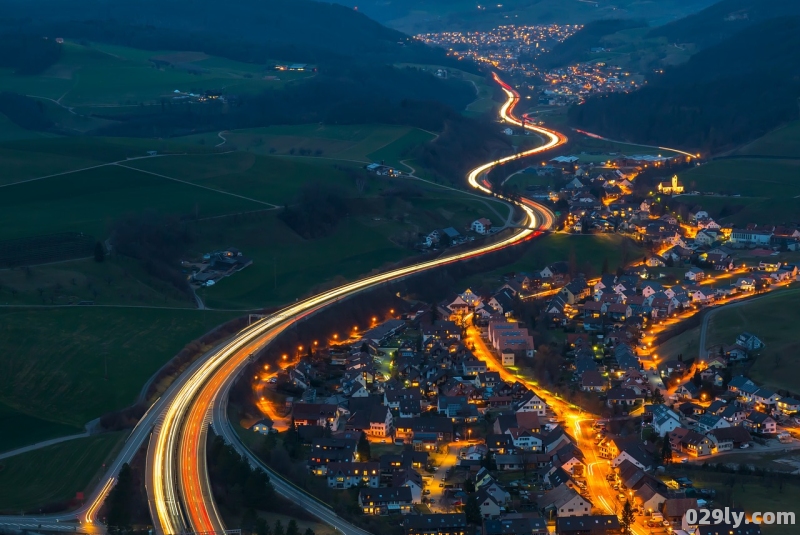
pixel 217 265
pixel 449 236
pixel 634 299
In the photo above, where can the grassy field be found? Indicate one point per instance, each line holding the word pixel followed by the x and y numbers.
pixel 783 142
pixel 20 429
pixel 287 266
pixel 87 201
pixel 590 250
pixel 361 143
pixel 773 319
pixel 117 281
pixel 70 365
pixel 98 76
pixel 768 188
pixel 752 493
pixel 54 474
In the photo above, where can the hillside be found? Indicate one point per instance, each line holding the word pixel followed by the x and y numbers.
pixel 576 47
pixel 246 30
pixel 723 96
pixel 723 20
pixel 419 16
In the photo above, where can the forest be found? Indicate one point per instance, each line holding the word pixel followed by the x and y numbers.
pixel 723 96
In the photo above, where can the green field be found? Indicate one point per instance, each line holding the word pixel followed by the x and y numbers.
pixel 117 281
pixel 98 76
pixel 768 188
pixel 71 365
pixel 20 429
pixel 359 143
pixel 752 493
pixel 54 474
pixel 360 243
pixel 88 201
pixel 773 319
pixel 783 142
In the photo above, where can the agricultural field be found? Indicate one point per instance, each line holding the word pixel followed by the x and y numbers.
pixel 117 281
pixel 754 190
pixel 752 493
pixel 55 474
pixel 287 266
pixel 773 319
pixel 783 142
pixel 358 143
pixel 88 201
pixel 97 76
pixel 69 365
pixel 28 429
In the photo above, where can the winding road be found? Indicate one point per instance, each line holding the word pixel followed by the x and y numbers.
pixel 178 487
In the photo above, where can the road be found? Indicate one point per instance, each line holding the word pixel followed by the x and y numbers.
pixel 595 136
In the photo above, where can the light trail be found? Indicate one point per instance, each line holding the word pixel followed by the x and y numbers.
pixel 181 491
pixel 597 136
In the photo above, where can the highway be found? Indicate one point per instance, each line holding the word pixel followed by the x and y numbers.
pixel 176 424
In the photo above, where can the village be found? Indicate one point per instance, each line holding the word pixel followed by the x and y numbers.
pixel 437 411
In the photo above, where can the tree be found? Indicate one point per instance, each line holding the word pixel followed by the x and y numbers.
pixel 666 451
pixel 658 397
pixel 119 501
pixel 626 518
pixel 363 448
pixel 99 252
pixel 309 531
pixel 278 530
pixel 604 269
pixel 473 510
pixel 292 528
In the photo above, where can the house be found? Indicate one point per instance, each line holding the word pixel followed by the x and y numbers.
pixel 675 509
pixel 593 381
pixel 665 420
pixel 788 406
pixel 491 486
pixel 688 390
pixel 263 427
pixel 761 423
pixel 749 341
pixel 530 402
pixel 728 438
pixel 739 382
pixel 622 397
pixel 636 454
pixel 695 274
pixel 488 505
pixel 321 414
pixel 524 439
pixel 589 525
pixel 709 422
pixel 481 226
pixel 383 501
pixel 691 442
pixel 515 524
pixel 564 501
pixel 436 524
pixel 410 479
pixel 349 475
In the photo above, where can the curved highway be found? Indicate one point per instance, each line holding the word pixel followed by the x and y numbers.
pixel 177 481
